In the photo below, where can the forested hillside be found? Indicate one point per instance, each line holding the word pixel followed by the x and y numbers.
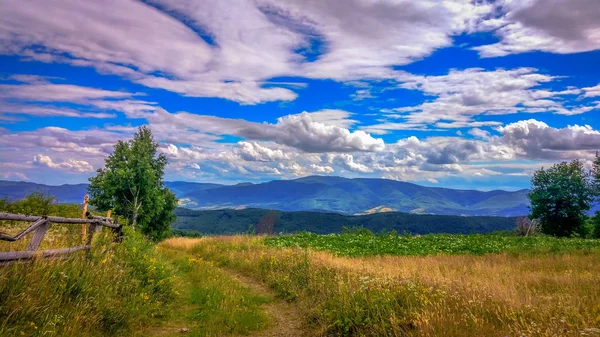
pixel 243 221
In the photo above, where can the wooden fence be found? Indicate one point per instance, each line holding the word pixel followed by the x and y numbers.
pixel 39 226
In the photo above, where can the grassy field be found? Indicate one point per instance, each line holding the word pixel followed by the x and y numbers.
pixel 528 291
pixel 350 284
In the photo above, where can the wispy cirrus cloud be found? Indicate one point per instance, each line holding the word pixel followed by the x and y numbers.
pixel 462 95
pixel 38 96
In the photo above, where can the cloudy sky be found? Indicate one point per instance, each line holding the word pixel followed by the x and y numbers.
pixel 452 93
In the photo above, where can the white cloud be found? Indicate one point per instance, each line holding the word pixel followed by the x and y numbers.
pixel 534 139
pixel 302 132
pixel 69 165
pixel 462 95
pixel 208 56
pixel 48 92
pixel 557 26
pixel 112 32
pixel 299 131
pixel 252 151
pixel 413 159
pixel 335 117
pixel 39 97
pixel 592 91
pixel 347 161
pixel 322 169
pixel 479 133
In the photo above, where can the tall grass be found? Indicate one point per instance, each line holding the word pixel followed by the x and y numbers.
pixel 114 290
pixel 445 295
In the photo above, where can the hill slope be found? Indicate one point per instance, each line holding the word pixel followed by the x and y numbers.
pixel 318 193
pixel 353 196
pixel 69 194
pixel 242 221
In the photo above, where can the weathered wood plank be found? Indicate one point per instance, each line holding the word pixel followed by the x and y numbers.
pixel 24 255
pixel 57 219
pixel 38 236
pixel 27 230
pixel 93 228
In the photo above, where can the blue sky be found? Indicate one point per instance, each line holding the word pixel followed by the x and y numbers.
pixel 447 93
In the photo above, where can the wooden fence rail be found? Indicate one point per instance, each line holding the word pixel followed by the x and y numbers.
pixel 39 226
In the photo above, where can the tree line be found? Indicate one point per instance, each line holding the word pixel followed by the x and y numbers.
pixel 562 196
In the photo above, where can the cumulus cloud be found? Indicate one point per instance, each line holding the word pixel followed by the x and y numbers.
pixel 252 151
pixel 322 169
pixel 411 158
pixel 302 132
pixel 71 165
pixel 347 161
pixel 536 140
pixel 454 153
pixel 299 131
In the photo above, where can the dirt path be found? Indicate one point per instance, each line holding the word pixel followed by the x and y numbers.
pixel 286 317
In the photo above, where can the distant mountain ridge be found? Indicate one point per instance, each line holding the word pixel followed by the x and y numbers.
pixel 318 193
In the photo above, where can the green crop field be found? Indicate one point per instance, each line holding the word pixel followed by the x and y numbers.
pixel 365 243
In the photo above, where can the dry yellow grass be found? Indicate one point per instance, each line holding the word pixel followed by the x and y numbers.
pixel 490 295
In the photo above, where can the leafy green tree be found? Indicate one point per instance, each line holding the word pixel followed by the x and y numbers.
pixel 596 226
pixel 560 197
pixel 131 184
pixel 595 175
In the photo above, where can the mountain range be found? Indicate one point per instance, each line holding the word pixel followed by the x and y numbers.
pixel 317 193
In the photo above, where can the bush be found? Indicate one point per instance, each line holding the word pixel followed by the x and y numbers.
pixel 596 226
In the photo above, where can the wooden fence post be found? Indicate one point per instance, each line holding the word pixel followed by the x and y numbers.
pixel 108 214
pixel 86 199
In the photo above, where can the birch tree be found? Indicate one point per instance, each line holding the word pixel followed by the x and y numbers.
pixel 132 185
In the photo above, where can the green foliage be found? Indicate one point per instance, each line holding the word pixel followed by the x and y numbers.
pixel 365 243
pixel 131 184
pixel 596 175
pixel 110 292
pixel 596 225
pixel 238 221
pixel 37 203
pixel 560 197
pixel 186 234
